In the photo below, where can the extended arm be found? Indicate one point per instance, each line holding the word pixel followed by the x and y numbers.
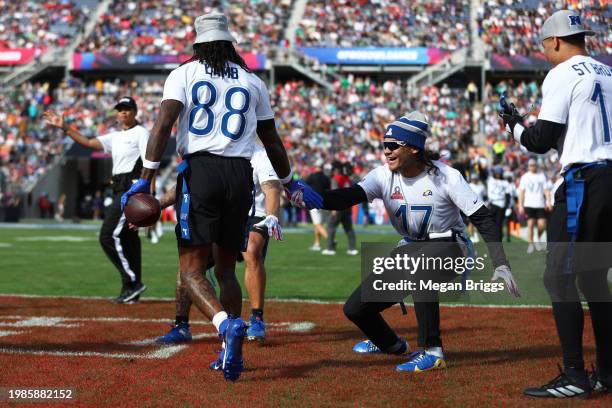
pixel 169 113
pixel 73 132
pixel 272 191
pixel 342 198
pixel 541 137
pixel 485 223
pixel 266 130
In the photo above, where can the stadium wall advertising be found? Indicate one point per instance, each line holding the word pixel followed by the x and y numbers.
pixel 18 56
pixel 376 56
pixel 100 61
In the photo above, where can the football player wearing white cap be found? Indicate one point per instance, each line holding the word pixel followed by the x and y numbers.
pixel 575 119
pixel 127 148
pixel 424 198
pixel 221 107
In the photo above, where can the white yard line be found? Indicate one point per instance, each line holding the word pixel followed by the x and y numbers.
pixel 161 353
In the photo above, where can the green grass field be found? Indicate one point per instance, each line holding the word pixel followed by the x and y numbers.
pixel 50 261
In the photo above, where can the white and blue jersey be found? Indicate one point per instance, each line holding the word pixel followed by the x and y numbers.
pixel 219 114
pixel 578 93
pixel 424 204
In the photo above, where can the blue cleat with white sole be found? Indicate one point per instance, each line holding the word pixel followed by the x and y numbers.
pixel 368 347
pixel 179 334
pixel 256 330
pixel 422 361
pixel 233 337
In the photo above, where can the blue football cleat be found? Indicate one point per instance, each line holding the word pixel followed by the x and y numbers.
pixel 178 334
pixel 257 329
pixel 366 347
pixel 422 361
pixel 233 336
pixel 218 363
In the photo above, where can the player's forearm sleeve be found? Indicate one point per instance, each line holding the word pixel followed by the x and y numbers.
pixel 542 136
pixel 485 223
pixel 343 198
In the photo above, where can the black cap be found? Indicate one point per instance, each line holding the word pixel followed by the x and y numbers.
pixel 126 102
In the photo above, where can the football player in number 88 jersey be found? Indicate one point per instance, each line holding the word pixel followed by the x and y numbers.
pixel 221 107
pixel 424 199
pixel 575 119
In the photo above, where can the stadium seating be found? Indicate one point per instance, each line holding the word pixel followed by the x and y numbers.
pixel 513 28
pixel 38 24
pixel 385 23
pixel 166 27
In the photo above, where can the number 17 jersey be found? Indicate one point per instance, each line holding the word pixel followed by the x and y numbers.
pixel 423 204
pixel 219 114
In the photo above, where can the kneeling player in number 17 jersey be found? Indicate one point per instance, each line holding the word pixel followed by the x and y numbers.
pixel 424 199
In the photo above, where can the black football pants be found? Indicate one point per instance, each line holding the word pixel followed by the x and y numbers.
pixel 121 245
pixel 591 263
pixel 366 315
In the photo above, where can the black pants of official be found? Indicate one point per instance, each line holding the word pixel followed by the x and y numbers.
pixel 589 267
pixel 367 315
pixel 121 245
pixel 346 218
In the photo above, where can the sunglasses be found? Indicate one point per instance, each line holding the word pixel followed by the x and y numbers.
pixel 393 145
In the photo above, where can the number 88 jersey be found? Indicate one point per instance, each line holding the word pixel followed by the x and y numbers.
pixel 219 114
pixel 423 204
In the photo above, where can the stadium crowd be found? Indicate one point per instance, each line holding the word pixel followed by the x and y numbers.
pixel 342 126
pixel 512 28
pixel 385 23
pixel 166 27
pixel 27 146
pixel 40 24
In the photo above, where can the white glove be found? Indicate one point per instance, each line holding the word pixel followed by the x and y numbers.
pixel 504 272
pixel 272 225
pixel 508 212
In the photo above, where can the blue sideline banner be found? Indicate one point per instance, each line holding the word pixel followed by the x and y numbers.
pixel 376 56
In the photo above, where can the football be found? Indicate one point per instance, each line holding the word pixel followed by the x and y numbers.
pixel 142 210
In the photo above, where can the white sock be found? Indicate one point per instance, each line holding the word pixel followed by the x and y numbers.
pixel 218 319
pixel 436 351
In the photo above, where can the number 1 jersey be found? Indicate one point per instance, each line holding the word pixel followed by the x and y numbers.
pixel 219 114
pixel 578 93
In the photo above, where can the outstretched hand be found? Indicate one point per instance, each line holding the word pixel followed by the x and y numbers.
pixel 302 195
pixel 53 119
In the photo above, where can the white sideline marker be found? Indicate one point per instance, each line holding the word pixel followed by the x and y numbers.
pixel 162 351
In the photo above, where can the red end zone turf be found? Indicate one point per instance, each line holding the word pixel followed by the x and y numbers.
pixel 102 351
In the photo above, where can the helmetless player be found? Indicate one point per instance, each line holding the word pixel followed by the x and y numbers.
pixel 222 107
pixel 533 200
pixel 575 119
pixel 424 199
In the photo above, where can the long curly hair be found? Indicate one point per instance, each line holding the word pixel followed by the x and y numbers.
pixel 427 157
pixel 217 55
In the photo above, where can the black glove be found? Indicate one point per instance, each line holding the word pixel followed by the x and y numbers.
pixel 509 114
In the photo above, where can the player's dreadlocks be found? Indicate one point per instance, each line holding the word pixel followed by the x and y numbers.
pixel 217 54
pixel 427 157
